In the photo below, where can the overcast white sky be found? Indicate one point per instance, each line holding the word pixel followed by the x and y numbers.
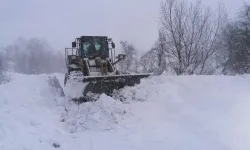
pixel 61 21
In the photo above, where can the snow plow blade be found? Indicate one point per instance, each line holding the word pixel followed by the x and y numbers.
pixel 106 84
pixel 116 77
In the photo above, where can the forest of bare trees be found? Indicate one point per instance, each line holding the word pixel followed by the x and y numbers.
pixel 32 56
pixel 188 38
pixel 195 39
pixel 192 39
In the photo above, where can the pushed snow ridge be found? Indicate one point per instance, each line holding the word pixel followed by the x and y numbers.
pixel 104 114
pixel 162 112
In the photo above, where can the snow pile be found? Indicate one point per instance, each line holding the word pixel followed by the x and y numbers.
pixel 104 114
pixel 192 112
pixel 74 88
pixel 28 114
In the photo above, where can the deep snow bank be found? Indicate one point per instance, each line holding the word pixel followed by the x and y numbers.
pixel 194 112
pixel 34 116
pixel 28 114
pixel 186 112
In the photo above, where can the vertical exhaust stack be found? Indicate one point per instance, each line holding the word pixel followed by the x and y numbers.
pixel 91 65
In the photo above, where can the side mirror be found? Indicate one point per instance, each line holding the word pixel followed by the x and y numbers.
pixel 113 45
pixel 121 56
pixel 73 44
pixel 109 39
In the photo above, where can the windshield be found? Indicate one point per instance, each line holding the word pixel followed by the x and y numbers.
pixel 94 46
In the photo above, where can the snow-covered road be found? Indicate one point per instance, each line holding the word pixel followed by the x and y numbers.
pixel 174 113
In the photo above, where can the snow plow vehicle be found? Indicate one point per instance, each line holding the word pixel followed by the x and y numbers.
pixel 91 69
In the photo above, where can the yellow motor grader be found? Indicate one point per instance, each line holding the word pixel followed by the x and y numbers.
pixel 91 68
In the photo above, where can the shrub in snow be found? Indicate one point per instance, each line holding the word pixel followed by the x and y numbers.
pixel 4 77
pixel 56 145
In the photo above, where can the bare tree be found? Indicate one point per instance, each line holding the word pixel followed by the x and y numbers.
pixel 159 50
pixel 4 77
pixel 130 63
pixel 148 62
pixel 235 56
pixel 1 69
pixel 191 34
pixel 244 15
pixel 155 59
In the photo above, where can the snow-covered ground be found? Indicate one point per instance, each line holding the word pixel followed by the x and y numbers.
pixel 161 113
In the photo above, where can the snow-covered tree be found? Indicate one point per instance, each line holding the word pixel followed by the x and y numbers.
pixel 235 55
pixel 130 64
pixel 191 33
